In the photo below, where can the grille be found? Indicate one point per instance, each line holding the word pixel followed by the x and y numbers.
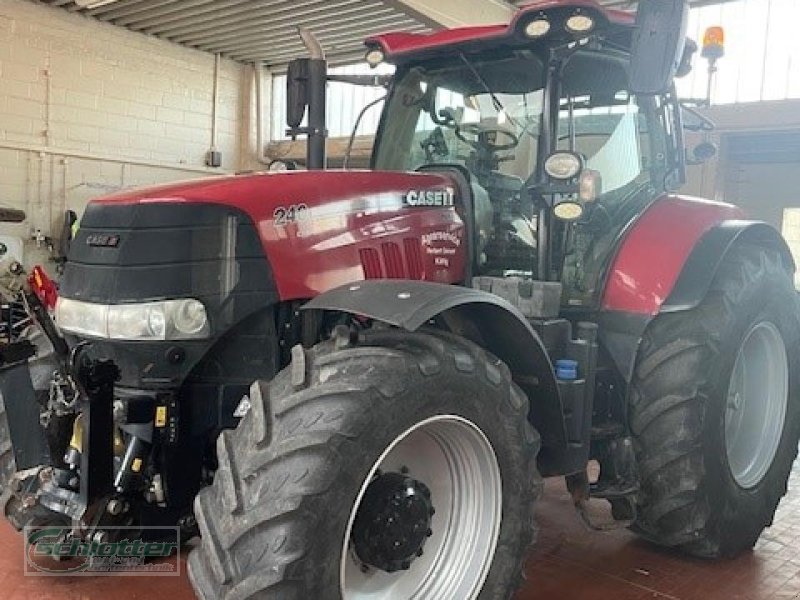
pixel 413 258
pixel 371 262
pixel 393 263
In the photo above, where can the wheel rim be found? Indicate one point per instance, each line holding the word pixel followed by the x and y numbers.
pixel 756 404
pixel 453 459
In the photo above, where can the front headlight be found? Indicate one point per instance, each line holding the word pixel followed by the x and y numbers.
pixel 82 317
pixel 147 321
pixel 563 165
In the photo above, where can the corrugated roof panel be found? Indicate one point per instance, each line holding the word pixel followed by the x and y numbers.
pixel 262 31
pixel 265 30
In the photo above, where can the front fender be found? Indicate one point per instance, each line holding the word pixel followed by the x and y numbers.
pixel 485 318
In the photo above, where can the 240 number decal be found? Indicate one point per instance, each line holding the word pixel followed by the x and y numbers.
pixel 293 213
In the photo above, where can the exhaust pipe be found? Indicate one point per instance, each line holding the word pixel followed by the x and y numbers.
pixel 317 88
pixel 311 43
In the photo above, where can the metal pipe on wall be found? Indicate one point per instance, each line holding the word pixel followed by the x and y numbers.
pixel 258 72
pixel 214 103
pixel 103 158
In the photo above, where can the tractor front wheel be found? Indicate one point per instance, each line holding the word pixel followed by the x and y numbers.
pixel 401 466
pixel 714 410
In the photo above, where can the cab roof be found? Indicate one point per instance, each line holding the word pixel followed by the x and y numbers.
pixel 400 46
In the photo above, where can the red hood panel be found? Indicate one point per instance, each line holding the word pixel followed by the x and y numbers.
pixel 251 191
pixel 322 229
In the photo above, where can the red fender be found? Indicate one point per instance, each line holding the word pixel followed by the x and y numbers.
pixel 655 249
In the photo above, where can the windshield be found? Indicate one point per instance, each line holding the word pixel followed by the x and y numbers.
pixel 449 114
pixel 487 116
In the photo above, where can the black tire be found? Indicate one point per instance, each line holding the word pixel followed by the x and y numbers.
pixel 274 520
pixel 689 496
pixel 7 465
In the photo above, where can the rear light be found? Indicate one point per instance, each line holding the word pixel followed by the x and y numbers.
pixel 43 287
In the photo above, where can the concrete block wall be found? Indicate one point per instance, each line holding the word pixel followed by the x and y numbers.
pixel 87 108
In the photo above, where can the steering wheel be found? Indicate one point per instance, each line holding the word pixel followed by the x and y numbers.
pixel 485 137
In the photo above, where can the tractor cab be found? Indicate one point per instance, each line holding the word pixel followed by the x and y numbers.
pixel 559 128
pixel 611 152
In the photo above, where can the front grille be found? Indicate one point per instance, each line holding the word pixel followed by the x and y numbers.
pixel 371 263
pixel 392 262
pixel 413 258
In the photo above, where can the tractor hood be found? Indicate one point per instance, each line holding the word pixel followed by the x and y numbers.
pixel 305 231
pixel 259 193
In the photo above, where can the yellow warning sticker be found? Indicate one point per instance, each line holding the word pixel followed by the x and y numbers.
pixel 161 416
pixel 136 466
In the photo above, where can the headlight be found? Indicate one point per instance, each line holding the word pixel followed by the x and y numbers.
pixel 82 317
pixel 568 210
pixel 537 28
pixel 147 321
pixel 190 317
pixel 563 165
pixel 374 57
pixel 580 24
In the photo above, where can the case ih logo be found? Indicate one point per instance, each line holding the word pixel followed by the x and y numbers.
pixel 445 197
pixel 104 240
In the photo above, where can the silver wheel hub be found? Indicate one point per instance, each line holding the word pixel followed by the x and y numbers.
pixel 397 545
pixel 756 404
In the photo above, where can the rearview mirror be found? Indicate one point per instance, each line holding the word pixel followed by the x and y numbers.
pixel 658 44
pixel 297 78
pixel 703 152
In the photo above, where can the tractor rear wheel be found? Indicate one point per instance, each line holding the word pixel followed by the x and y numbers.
pixel 714 410
pixel 400 466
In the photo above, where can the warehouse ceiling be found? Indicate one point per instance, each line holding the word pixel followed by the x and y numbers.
pixel 262 31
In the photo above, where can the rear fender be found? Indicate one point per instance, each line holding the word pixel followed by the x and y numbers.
pixel 485 318
pixel 622 330
pixel 703 263
pixel 653 252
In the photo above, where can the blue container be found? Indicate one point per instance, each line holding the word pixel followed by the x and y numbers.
pixel 567 370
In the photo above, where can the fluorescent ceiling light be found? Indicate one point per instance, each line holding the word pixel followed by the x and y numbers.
pixel 94 3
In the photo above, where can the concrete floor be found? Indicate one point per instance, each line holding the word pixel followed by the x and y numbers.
pixel 569 563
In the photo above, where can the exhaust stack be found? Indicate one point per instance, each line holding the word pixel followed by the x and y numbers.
pixel 306 85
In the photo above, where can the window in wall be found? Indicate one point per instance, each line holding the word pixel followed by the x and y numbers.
pixel 791 233
pixel 762 51
pixel 345 101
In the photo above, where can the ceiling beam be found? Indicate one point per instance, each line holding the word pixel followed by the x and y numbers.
pixel 455 13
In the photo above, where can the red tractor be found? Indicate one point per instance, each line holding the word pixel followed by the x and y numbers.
pixel 511 291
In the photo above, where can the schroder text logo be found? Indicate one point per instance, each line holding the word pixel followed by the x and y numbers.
pixel 131 551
